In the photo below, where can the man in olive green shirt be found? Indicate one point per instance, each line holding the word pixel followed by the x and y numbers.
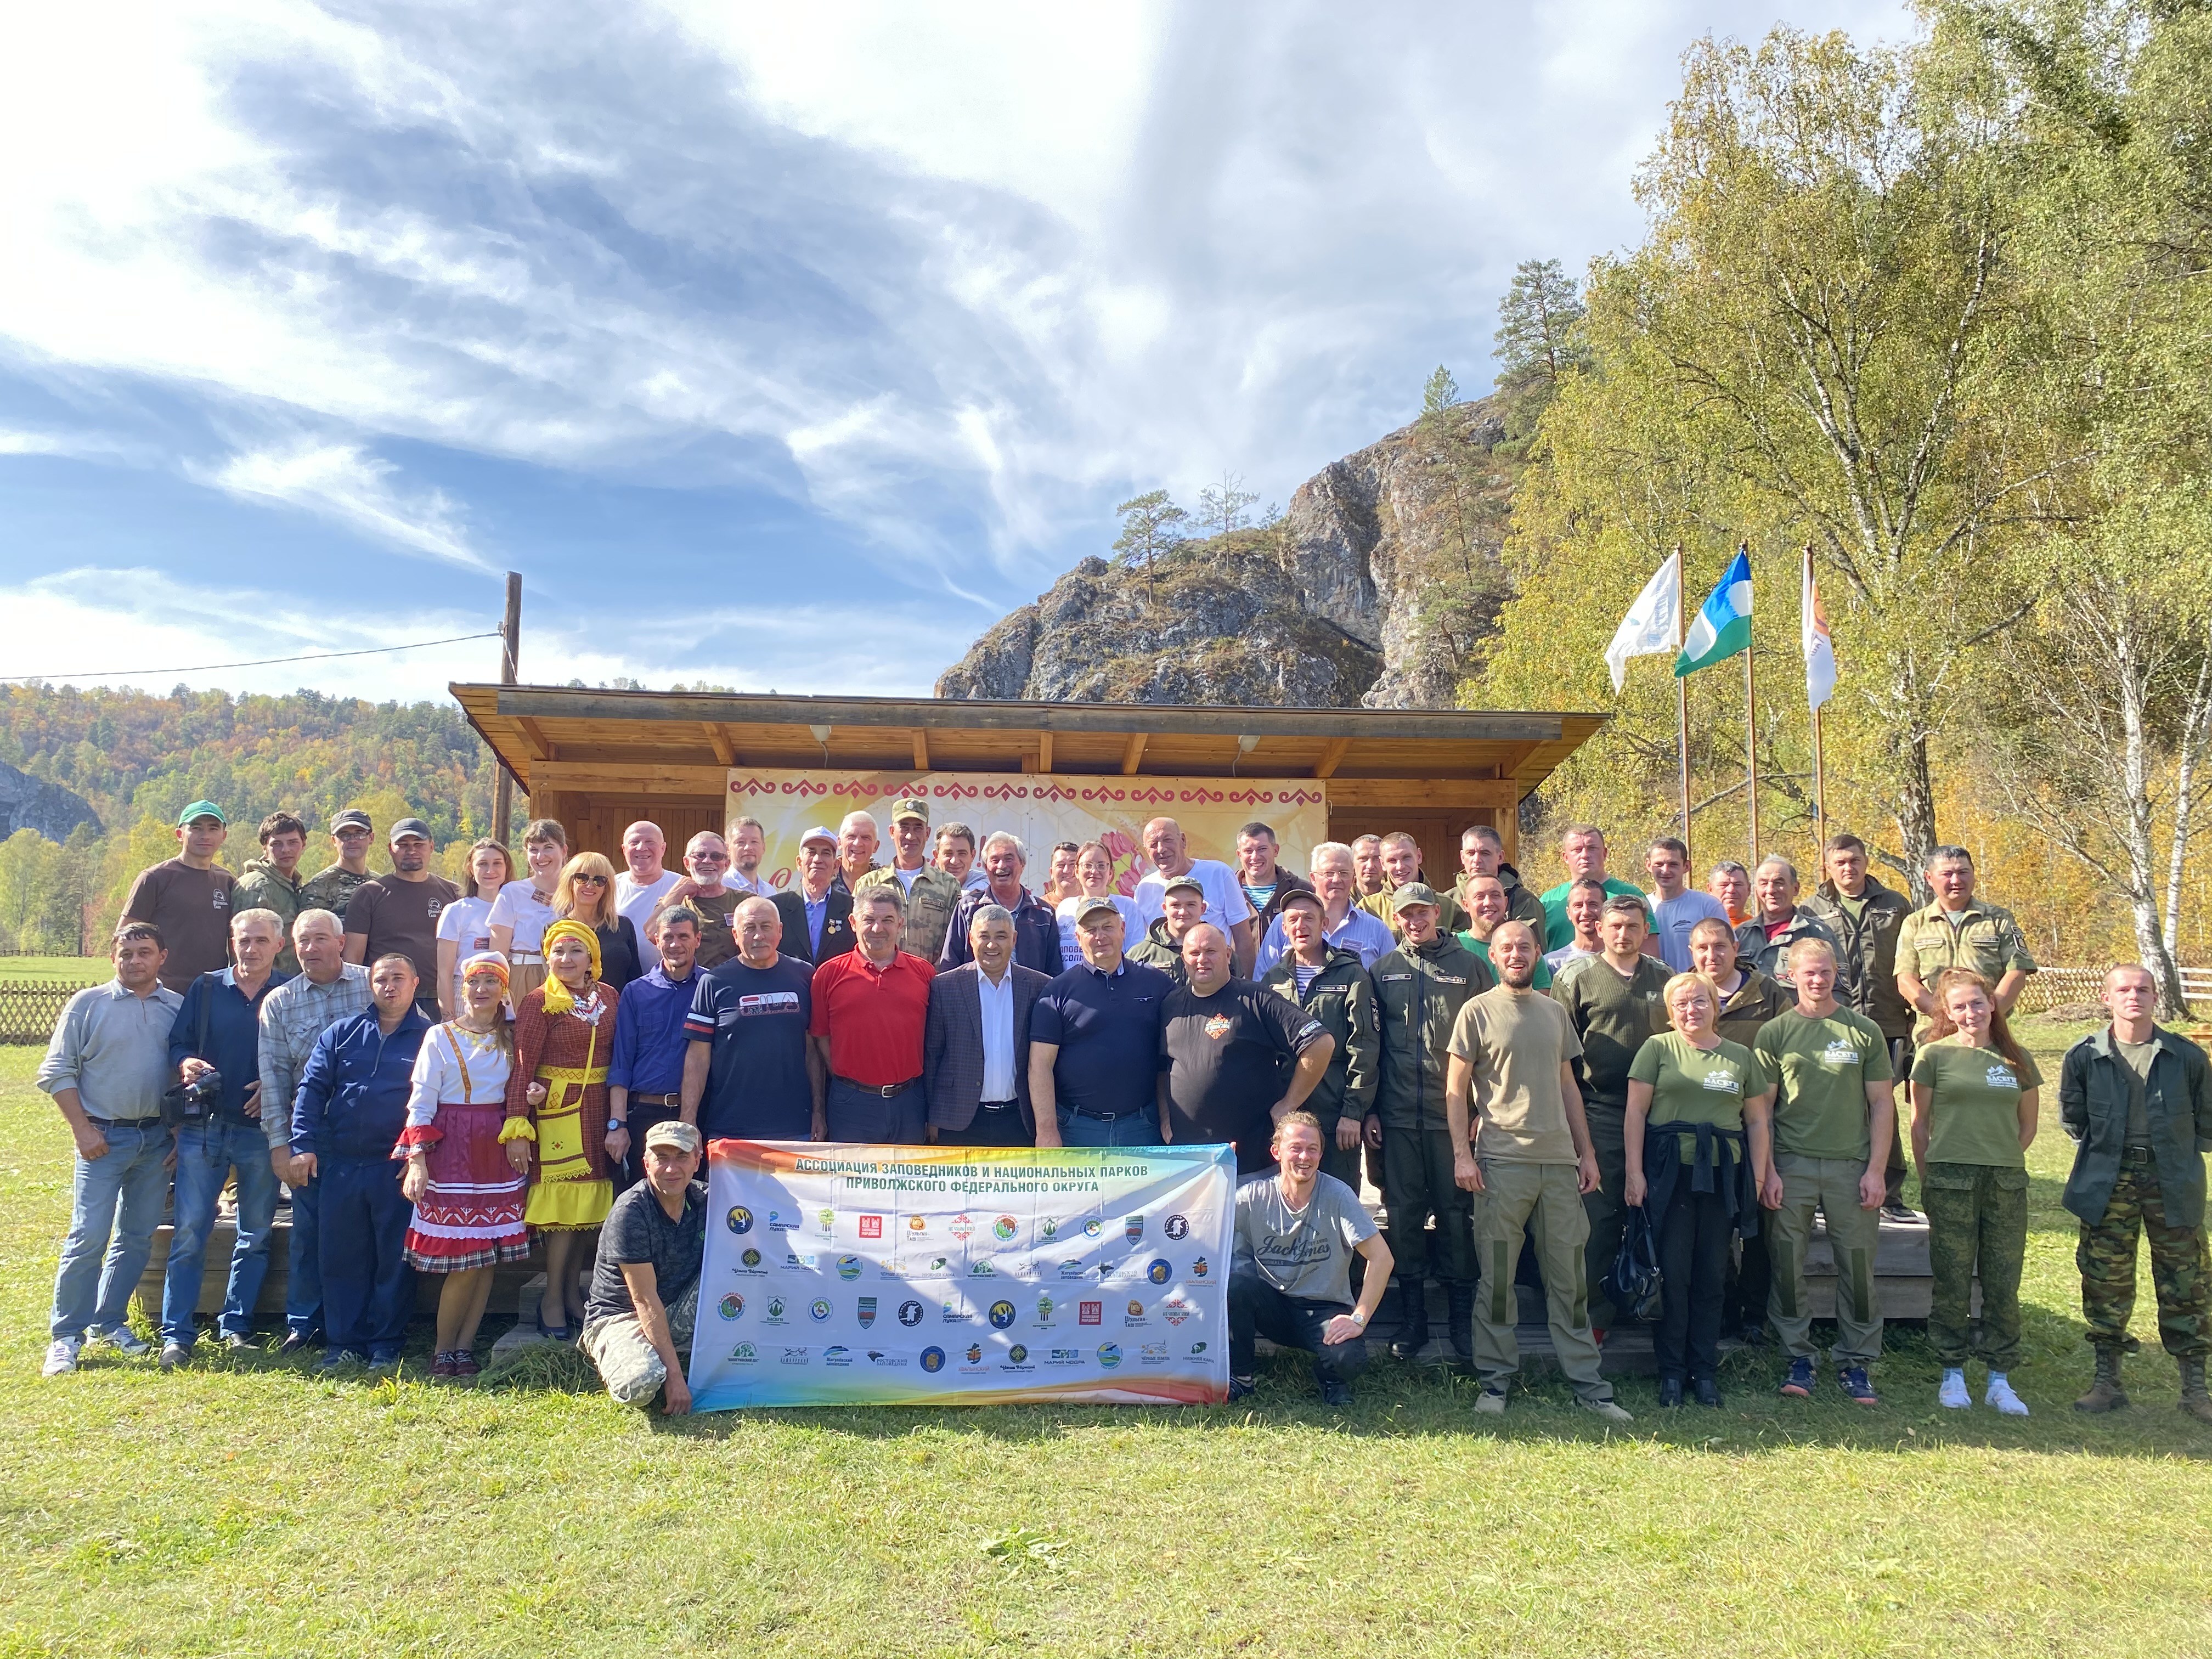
pixel 1955 930
pixel 272 882
pixel 332 887
pixel 1512 1061
pixel 1835 1114
pixel 930 895
pixel 1615 1001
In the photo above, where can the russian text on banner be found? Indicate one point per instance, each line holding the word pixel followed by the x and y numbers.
pixel 943 1275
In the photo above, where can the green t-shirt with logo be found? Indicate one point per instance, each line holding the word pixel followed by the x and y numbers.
pixel 1976 1106
pixel 1690 1084
pixel 1823 1065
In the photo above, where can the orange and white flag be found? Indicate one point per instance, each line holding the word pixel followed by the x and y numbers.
pixel 1819 649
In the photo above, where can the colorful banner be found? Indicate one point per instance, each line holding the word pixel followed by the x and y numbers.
pixel 1040 809
pixel 963 1276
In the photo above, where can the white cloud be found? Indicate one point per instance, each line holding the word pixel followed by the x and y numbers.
pixel 340 481
pixel 143 628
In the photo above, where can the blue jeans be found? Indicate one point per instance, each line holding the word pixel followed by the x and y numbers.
pixel 115 1205
pixel 206 1154
pixel 1257 1309
pixel 368 1289
pixel 303 1282
pixel 1130 1129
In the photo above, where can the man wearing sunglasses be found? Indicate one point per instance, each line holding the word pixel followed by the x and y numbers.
pixel 397 915
pixel 332 887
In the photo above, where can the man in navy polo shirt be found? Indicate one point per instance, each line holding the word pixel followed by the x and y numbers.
pixel 1094 1040
pixel 871 1007
pixel 750 1072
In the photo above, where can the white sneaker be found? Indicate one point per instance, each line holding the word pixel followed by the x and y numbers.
pixel 61 1358
pixel 123 1339
pixel 2001 1396
pixel 1953 1396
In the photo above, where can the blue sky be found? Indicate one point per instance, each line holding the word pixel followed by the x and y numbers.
pixel 776 346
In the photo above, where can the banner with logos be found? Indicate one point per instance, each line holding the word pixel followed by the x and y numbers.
pixel 1040 809
pixel 950 1275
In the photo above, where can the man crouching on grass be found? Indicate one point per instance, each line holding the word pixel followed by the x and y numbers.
pixel 1296 1230
pixel 645 1282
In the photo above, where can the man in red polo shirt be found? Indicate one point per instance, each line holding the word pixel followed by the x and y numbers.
pixel 870 1007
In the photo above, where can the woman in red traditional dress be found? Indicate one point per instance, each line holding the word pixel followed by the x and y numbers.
pixel 468 1198
pixel 556 1111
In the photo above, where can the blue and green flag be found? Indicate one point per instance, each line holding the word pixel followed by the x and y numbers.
pixel 1723 623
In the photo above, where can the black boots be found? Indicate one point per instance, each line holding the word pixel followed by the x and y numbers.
pixel 1460 1322
pixel 1413 1320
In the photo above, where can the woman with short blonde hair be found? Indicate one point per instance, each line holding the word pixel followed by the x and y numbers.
pixel 587 894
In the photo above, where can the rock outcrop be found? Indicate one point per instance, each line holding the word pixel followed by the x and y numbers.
pixel 1373 588
pixel 26 802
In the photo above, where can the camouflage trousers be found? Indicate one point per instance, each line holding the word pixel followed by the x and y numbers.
pixel 1977 1227
pixel 2179 1272
pixel 629 1364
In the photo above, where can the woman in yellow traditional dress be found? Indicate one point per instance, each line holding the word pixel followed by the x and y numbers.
pixel 556 1110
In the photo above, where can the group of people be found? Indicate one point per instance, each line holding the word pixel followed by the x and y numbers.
pixel 1584 1091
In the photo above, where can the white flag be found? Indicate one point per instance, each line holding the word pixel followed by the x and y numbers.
pixel 1819 649
pixel 1649 627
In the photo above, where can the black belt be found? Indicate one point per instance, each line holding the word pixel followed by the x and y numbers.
pixel 884 1092
pixel 996 1105
pixel 656 1100
pixel 1104 1118
pixel 2138 1155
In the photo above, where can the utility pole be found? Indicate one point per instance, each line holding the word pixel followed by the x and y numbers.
pixel 510 647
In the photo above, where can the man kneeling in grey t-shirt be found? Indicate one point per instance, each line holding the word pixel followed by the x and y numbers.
pixel 1291 1279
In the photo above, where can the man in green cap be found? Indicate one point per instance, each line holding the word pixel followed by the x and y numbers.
pixel 188 898
pixel 1419 988
pixel 931 894
pixel 1614 1001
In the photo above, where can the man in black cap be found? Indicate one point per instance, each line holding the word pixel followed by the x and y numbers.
pixel 397 915
pixel 332 887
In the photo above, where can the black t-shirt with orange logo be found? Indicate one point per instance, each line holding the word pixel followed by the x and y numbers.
pixel 1228 1058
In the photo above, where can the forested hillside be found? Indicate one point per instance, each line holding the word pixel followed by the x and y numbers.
pixel 138 757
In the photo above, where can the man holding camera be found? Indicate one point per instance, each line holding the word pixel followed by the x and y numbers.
pixel 215 1047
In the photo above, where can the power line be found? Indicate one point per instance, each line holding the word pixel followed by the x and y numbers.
pixel 257 662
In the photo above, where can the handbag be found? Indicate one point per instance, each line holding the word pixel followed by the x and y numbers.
pixel 185 1105
pixel 1632 1283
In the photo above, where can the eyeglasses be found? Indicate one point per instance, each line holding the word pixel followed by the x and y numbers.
pixel 353 834
pixel 596 881
pixel 710 858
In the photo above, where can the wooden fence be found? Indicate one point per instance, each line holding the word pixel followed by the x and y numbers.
pixel 31 1008
pixel 2058 988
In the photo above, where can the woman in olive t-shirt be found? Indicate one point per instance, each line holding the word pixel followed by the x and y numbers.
pixel 1693 1075
pixel 1974 1095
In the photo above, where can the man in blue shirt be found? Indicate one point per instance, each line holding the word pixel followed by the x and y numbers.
pixel 228 1006
pixel 351 1111
pixel 645 1076
pixel 1345 925
pixel 1094 1040
pixel 750 1072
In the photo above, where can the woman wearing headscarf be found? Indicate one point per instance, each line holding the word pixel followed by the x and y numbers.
pixel 557 1127
pixel 467 1196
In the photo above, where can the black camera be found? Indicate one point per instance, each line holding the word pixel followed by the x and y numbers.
pixel 196 1102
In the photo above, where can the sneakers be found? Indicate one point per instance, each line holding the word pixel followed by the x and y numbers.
pixel 1242 1387
pixel 442 1369
pixel 1798 1385
pixel 1900 1212
pixel 383 1359
pixel 464 1363
pixel 1852 1379
pixel 174 1354
pixel 123 1339
pixel 1953 1395
pixel 61 1358
pixel 337 1358
pixel 1336 1392
pixel 1606 1409
pixel 1491 1402
pixel 2001 1395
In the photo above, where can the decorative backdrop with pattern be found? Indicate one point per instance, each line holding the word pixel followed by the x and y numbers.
pixel 1040 809
pixel 952 1275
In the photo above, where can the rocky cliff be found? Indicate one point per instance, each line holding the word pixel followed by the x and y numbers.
pixel 1373 588
pixel 27 804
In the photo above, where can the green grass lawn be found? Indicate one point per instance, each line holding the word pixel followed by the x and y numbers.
pixel 78 970
pixel 246 1509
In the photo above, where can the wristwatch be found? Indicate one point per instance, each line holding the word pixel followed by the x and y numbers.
pixel 614 1123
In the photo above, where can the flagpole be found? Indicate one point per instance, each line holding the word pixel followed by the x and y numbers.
pixel 1819 766
pixel 1751 739
pixel 1681 697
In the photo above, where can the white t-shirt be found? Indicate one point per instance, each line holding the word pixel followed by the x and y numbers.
pixel 521 907
pixel 1225 903
pixel 636 899
pixel 467 923
pixel 1071 951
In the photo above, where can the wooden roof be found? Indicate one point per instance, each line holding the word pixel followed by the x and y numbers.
pixel 564 737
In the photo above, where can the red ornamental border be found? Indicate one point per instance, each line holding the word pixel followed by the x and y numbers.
pixel 1041 792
